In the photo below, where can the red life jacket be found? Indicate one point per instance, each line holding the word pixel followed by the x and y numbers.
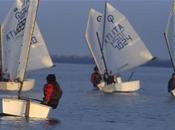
pixel 95 78
pixel 52 94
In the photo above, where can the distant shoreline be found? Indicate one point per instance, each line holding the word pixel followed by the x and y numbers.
pixel 73 59
pixel 89 60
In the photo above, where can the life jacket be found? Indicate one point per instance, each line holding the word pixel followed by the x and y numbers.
pixel 109 79
pixel 95 78
pixel 52 94
pixel 171 85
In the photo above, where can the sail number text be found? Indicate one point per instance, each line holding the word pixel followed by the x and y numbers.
pixel 117 37
pixel 20 15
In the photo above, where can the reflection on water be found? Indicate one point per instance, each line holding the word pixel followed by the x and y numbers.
pixel 22 123
pixel 52 122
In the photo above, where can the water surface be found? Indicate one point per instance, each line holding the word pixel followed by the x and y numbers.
pixel 82 107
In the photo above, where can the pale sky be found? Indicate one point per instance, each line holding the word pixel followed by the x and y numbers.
pixel 63 22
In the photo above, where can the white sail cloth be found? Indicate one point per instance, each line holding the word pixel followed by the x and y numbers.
pixel 39 57
pixel 169 33
pixel 17 31
pixel 93 30
pixel 123 48
pixel 23 46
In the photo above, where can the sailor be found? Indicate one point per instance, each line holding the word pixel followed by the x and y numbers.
pixel 171 83
pixel 96 77
pixel 6 77
pixel 109 79
pixel 52 92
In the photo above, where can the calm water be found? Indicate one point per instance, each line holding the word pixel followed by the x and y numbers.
pixel 82 107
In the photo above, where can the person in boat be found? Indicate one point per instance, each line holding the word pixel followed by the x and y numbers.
pixel 52 92
pixel 96 78
pixel 109 79
pixel 5 77
pixel 171 83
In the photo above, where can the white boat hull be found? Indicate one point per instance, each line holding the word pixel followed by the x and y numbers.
pixel 120 86
pixel 173 92
pixel 24 108
pixel 13 106
pixel 15 86
pixel 37 110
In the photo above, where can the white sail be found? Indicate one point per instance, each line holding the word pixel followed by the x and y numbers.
pixel 0 51
pixel 94 27
pixel 170 32
pixel 39 56
pixel 7 31
pixel 17 31
pixel 123 48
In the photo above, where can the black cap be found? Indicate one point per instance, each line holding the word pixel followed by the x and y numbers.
pixel 95 68
pixel 173 74
pixel 51 78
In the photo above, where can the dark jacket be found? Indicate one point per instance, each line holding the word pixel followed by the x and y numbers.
pixel 171 84
pixel 95 78
pixel 109 79
pixel 52 94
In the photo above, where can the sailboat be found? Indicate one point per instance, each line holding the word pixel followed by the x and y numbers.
pixel 115 47
pixel 10 56
pixel 22 23
pixel 170 39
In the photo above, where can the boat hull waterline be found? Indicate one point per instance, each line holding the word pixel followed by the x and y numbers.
pixel 28 84
pixel 130 86
pixel 24 108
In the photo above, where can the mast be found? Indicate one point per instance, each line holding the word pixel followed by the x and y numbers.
pixel 21 82
pixel 165 34
pixel 93 28
pixel 173 11
pixel 171 59
pixel 30 43
pixel 27 56
pixel 103 35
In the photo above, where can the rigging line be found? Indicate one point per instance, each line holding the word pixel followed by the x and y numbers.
pixel 103 35
pixel 32 30
pixel 1 62
pixel 104 61
pixel 167 45
pixel 104 25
